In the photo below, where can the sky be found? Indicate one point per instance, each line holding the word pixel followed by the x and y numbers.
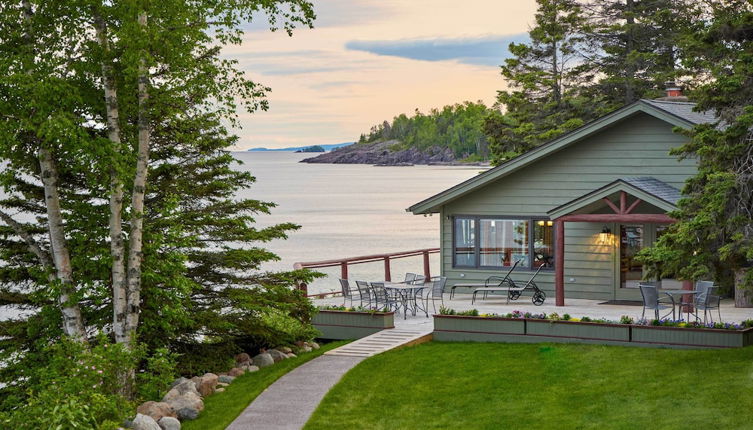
pixel 366 61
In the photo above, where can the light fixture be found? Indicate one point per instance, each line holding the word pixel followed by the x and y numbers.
pixel 605 234
pixel 550 223
pixel 541 223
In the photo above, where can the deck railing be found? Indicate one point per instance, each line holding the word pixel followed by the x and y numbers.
pixel 386 258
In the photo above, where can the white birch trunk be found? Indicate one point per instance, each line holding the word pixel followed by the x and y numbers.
pixel 73 324
pixel 119 297
pixel 135 254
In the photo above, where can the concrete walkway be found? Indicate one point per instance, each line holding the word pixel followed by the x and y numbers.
pixel 289 402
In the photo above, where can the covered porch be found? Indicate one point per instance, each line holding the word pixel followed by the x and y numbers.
pixel 637 203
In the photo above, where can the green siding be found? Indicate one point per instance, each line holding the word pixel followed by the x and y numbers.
pixel 639 146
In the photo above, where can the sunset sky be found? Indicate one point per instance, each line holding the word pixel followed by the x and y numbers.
pixel 369 60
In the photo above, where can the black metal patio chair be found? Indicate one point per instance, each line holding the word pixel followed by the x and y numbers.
pixel 652 301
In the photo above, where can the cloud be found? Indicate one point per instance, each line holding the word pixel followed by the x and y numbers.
pixel 483 51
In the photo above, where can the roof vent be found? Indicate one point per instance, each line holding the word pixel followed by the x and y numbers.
pixel 674 93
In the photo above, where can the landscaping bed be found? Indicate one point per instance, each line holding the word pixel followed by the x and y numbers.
pixel 518 327
pixel 351 323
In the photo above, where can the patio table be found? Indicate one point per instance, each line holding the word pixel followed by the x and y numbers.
pixel 407 294
pixel 678 294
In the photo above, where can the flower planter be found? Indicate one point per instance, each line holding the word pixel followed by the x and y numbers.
pixel 351 325
pixel 578 332
pixel 691 337
pixel 455 328
pixel 458 328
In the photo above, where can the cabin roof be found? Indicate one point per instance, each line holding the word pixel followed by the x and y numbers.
pixel 678 114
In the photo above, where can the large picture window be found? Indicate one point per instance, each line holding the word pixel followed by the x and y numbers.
pixel 496 242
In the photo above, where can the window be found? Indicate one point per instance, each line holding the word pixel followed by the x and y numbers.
pixel 465 242
pixel 496 242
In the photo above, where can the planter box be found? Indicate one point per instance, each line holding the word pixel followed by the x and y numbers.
pixel 457 328
pixel 351 325
pixel 481 329
pixel 675 337
pixel 578 332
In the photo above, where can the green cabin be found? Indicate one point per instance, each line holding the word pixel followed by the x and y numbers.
pixel 582 205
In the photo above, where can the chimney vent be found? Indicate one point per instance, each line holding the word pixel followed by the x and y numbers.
pixel 674 93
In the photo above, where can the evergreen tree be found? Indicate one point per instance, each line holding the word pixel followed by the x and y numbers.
pixel 544 76
pixel 714 232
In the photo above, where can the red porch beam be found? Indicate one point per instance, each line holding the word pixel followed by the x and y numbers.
pixel 611 205
pixel 632 206
pixel 624 218
pixel 559 262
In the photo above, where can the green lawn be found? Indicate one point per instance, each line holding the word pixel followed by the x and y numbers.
pixel 543 386
pixel 220 409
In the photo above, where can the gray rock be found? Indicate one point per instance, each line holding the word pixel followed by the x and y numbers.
pixel 236 371
pixel 145 422
pixel 178 381
pixel 314 345
pixel 187 400
pixel 205 385
pixel 227 379
pixel 252 369
pixel 284 349
pixel 242 358
pixel 156 410
pixel 180 389
pixel 291 355
pixel 169 423
pixel 277 356
pixel 264 360
pixel 187 414
pixel 219 390
pixel 306 348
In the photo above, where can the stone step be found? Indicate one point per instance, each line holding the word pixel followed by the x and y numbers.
pixel 381 341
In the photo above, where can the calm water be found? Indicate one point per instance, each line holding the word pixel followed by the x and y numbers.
pixel 348 210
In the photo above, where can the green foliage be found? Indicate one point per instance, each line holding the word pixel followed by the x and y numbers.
pixel 449 311
pixel 713 234
pixel 76 387
pixel 158 373
pixel 458 127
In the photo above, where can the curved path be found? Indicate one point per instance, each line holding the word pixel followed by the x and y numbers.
pixel 289 402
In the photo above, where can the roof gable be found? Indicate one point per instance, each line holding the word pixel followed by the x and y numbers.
pixel 648 189
pixel 656 109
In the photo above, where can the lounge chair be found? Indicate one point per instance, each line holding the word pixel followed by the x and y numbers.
pixel 490 281
pixel 513 290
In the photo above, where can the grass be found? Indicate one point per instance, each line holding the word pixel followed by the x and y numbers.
pixel 543 386
pixel 220 409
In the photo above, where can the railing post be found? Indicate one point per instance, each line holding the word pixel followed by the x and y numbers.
pixel 344 270
pixel 427 270
pixel 387 271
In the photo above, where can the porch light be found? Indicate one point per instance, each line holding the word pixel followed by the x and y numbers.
pixel 550 223
pixel 541 223
pixel 605 234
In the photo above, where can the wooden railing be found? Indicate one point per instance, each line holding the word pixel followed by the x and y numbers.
pixel 386 258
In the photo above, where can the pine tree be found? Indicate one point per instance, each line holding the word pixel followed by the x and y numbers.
pixel 544 76
pixel 714 232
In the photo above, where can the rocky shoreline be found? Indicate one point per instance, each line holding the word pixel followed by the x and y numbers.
pixel 386 153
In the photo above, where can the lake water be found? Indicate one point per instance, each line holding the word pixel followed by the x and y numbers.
pixel 347 210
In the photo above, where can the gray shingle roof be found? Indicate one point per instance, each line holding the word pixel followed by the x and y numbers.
pixel 683 110
pixel 656 188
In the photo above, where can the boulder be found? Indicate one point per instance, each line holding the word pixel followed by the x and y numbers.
pixel 222 384
pixel 314 345
pixel 236 371
pixel 219 390
pixel 299 343
pixel 252 368
pixel 156 410
pixel 169 423
pixel 264 360
pixel 306 348
pixel 242 358
pixel 187 414
pixel 206 384
pixel 277 356
pixel 178 381
pixel 291 355
pixel 227 379
pixel 184 387
pixel 284 349
pixel 144 422
pixel 188 400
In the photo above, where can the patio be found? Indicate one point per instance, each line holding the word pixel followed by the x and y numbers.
pixel 576 308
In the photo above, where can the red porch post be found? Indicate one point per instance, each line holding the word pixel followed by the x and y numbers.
pixel 387 271
pixel 559 262
pixel 344 270
pixel 427 270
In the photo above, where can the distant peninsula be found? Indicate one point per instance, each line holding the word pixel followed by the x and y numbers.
pixel 451 135
pixel 315 148
pixel 302 148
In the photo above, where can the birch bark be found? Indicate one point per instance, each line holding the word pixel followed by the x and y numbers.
pixel 119 297
pixel 135 254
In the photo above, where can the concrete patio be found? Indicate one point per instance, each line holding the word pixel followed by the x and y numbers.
pixel 576 308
